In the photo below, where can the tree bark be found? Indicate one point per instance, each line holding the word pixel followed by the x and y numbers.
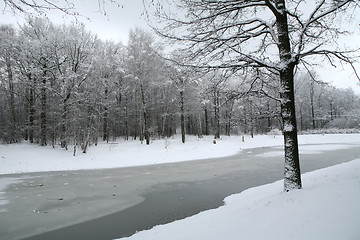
pixel 105 119
pixel 146 127
pixel 13 137
pixel 43 124
pixel 292 176
pixel 31 110
pixel 312 104
pixel 206 121
pixel 63 134
pixel 217 114
pixel 251 119
pixel 89 126
pixel 182 116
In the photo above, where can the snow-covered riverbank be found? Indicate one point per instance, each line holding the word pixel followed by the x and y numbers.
pixel 327 208
pixel 25 157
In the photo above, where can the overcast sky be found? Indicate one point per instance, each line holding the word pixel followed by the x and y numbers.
pixel 119 20
pixel 114 26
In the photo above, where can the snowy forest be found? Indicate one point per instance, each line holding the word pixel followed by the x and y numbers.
pixel 61 84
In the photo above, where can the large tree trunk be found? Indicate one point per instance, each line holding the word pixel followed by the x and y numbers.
pixel 292 176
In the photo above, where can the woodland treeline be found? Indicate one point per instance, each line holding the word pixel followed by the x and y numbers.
pixel 60 85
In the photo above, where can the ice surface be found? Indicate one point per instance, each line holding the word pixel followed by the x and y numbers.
pixel 327 208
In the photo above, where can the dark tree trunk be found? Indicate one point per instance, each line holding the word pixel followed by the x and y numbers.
pixel 251 119
pixel 43 124
pixel 31 112
pixel 63 134
pixel 268 117
pixel 292 176
pixel 13 131
pixel 145 115
pixel 105 125
pixel 301 119
pixel 126 120
pixel 182 116
pixel 200 131
pixel 245 130
pixel 206 121
pixel 89 126
pixel 217 114
pixel 105 119
pixel 228 122
pixel 312 105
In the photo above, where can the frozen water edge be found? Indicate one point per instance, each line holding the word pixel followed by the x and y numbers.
pixel 111 152
pixel 4 183
pixel 24 157
pixel 327 208
pixel 308 149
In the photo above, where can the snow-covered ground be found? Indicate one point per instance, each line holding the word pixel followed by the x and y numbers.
pixel 327 208
pixel 25 157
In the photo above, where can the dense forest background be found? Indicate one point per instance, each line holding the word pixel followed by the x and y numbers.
pixel 60 85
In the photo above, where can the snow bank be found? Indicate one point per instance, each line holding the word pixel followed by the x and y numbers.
pixel 25 157
pixel 327 208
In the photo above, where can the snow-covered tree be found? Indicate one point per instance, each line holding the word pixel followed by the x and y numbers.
pixel 273 36
pixel 143 66
pixel 8 51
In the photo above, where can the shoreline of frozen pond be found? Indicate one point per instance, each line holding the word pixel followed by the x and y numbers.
pixel 25 158
pixel 67 197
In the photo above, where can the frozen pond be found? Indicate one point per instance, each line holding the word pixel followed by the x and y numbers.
pixel 113 203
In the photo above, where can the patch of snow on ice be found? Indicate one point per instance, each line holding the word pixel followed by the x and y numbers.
pixel 4 183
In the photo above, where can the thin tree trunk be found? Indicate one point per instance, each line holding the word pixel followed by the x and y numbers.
pixel 89 125
pixel 43 124
pixel 126 120
pixel 146 127
pixel 268 118
pixel 312 105
pixel 200 131
pixel 63 134
pixel 106 120
pixel 12 99
pixel 31 112
pixel 251 119
pixel 245 120
pixel 217 117
pixel 206 121
pixel 301 119
pixel 182 117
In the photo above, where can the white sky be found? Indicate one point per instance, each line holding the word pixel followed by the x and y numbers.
pixel 116 25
